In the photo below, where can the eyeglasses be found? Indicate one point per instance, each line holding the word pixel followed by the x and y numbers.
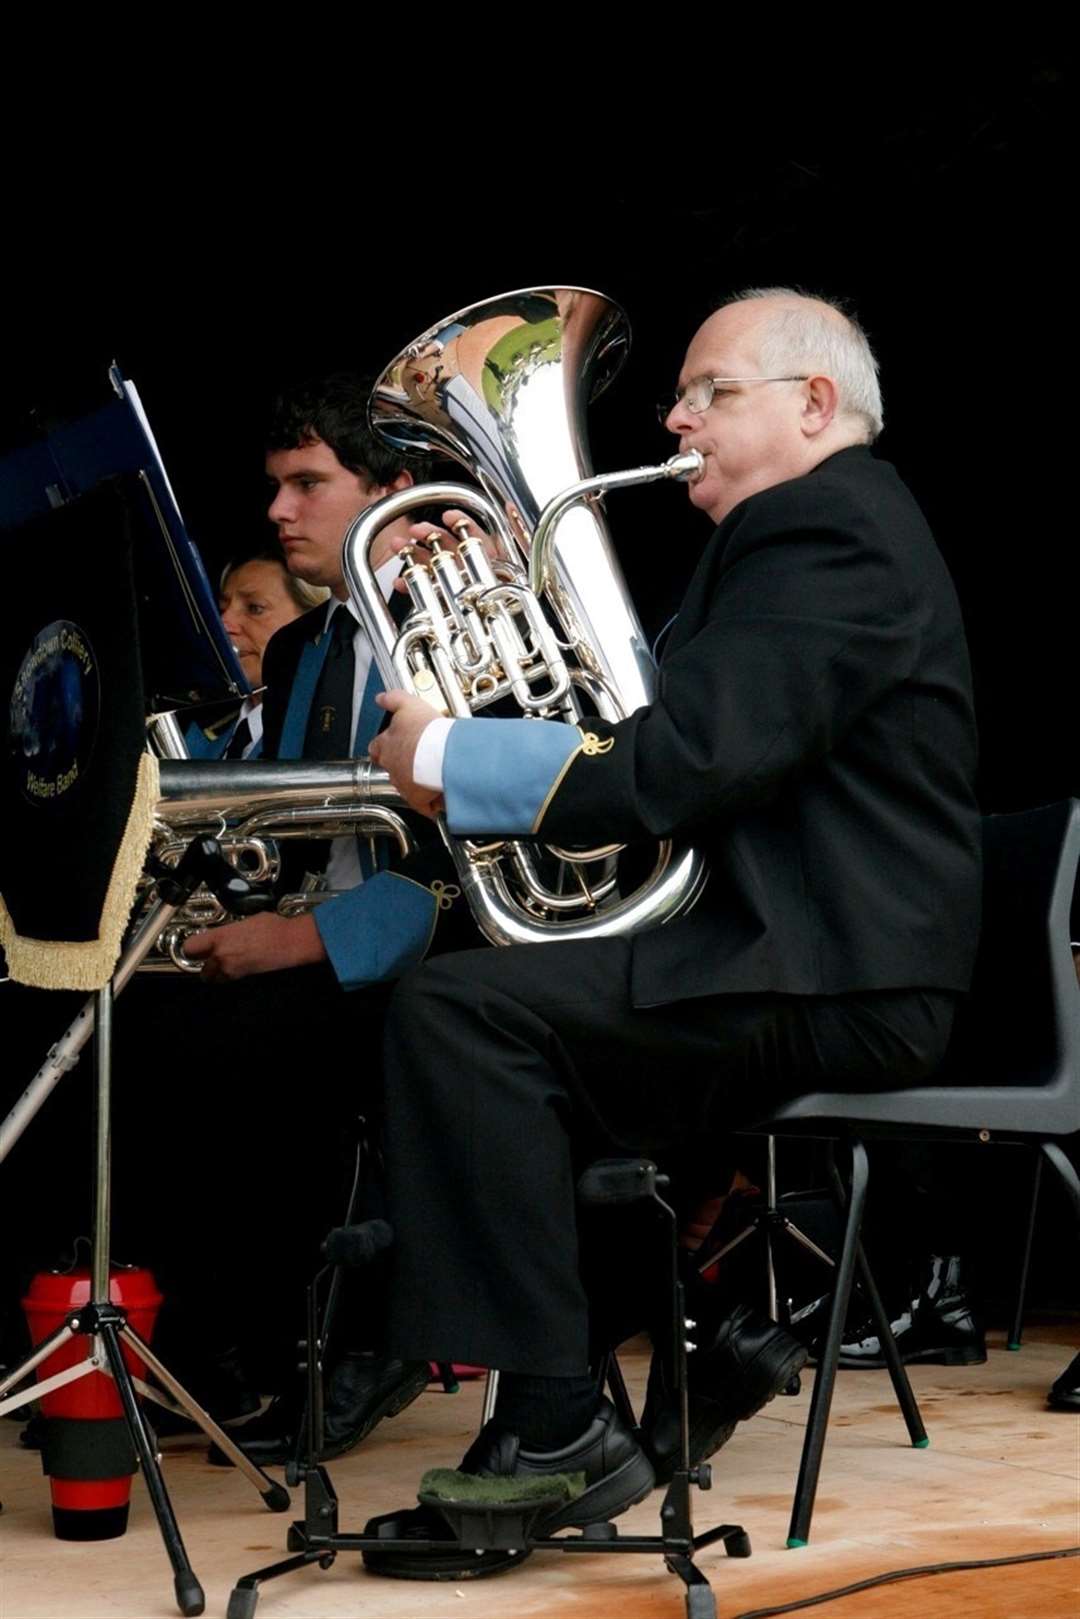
pixel 698 394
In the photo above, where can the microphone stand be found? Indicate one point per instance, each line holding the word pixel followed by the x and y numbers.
pixel 103 1323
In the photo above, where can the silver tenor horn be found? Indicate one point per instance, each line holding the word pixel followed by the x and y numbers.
pixel 250 807
pixel 501 387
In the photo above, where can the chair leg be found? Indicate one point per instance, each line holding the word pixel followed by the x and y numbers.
pixel 1054 1155
pixel 905 1394
pixel 824 1382
pixel 1025 1263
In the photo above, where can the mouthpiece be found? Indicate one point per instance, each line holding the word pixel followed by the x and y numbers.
pixel 686 465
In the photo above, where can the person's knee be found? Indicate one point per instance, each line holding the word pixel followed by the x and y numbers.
pixel 423 991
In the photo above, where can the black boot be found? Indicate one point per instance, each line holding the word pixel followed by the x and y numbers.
pixel 362 1389
pixel 1064 1394
pixel 939 1328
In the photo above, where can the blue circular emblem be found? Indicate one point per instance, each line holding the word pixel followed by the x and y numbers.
pixel 55 706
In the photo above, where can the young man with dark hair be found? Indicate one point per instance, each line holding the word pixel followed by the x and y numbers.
pixel 326 467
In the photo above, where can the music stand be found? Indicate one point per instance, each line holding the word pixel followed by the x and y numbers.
pixel 104 1324
pixel 74 779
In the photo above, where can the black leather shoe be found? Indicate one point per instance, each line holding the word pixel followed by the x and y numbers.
pixel 362 1390
pixel 1064 1395
pixel 33 1435
pixel 740 1365
pixel 268 1438
pixel 937 1329
pixel 618 1474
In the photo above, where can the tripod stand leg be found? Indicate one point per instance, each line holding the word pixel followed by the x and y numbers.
pixel 275 1495
pixel 42 1351
pixel 189 1593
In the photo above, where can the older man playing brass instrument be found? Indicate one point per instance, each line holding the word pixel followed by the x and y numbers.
pixel 813 731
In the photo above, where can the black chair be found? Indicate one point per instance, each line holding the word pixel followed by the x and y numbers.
pixel 1013 1074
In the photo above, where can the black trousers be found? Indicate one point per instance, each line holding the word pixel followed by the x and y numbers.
pixel 236 1122
pixel 506 1071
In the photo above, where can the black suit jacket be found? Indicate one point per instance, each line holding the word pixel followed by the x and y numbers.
pixel 280 661
pixel 814 732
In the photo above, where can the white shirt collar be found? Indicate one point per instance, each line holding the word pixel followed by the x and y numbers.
pixel 386 574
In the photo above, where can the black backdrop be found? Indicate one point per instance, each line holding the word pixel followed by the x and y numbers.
pixel 214 267
pixel 946 226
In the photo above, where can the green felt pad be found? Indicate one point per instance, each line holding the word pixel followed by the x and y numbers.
pixel 474 1489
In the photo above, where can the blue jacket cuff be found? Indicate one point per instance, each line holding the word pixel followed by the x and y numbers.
pixel 499 774
pixel 377 931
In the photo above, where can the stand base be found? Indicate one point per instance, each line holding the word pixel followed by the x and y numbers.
pixel 420 1544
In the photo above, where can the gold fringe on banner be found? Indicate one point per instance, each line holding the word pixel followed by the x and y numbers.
pixel 88 964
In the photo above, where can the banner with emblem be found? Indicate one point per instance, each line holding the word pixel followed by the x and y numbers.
pixel 78 786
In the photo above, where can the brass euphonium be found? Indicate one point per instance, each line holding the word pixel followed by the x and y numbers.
pixel 501 387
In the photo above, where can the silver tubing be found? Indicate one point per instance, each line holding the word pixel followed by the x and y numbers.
pixel 361 536
pixel 49 1385
pixel 41 1352
pixel 676 885
pixel 770 1262
pixel 540 569
pixel 491 1394
pixel 165 736
pixel 99 1286
pixel 193 791
pixel 808 1243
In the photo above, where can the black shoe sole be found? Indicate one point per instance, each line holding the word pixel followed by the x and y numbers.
pixel 915 1357
pixel 611 1495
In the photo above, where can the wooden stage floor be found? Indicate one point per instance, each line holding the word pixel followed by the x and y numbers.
pixel 1001 1477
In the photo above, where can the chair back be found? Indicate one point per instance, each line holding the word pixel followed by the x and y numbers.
pixel 1014 1066
pixel 1022 1022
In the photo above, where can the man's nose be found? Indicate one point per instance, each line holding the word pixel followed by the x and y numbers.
pixel 282 508
pixel 679 419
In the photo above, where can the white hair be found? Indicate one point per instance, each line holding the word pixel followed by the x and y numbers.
pixel 805 334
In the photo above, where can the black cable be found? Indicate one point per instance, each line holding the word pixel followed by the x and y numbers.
pixel 905 1574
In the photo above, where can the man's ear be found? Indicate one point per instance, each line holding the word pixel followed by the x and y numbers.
pixel 404 480
pixel 820 400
